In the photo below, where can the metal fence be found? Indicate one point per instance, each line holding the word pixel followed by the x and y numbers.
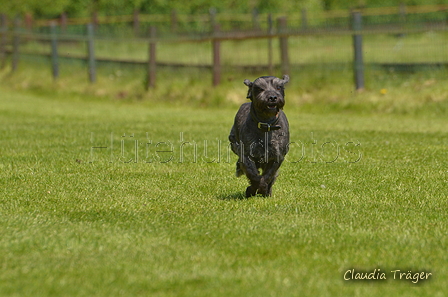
pixel 402 38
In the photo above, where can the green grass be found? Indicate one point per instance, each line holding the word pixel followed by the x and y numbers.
pixel 315 88
pixel 364 187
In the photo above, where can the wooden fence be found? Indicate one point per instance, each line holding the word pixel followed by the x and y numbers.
pixel 11 38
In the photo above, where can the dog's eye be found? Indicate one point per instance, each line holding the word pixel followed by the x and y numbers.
pixel 279 88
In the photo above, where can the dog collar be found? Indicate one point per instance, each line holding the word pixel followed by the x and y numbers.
pixel 265 126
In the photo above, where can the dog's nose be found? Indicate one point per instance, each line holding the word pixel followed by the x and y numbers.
pixel 272 98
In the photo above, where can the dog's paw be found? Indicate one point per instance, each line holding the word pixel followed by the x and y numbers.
pixel 264 188
pixel 263 191
pixel 251 191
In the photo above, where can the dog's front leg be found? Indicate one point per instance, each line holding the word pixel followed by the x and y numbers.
pixel 250 170
pixel 268 178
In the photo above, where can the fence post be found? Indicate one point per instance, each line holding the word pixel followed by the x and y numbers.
pixel 3 33
pixel 173 21
pixel 358 64
pixel 284 56
pixel 402 12
pixel 270 50
pixel 216 57
pixel 29 22
pixel 402 16
pixel 91 52
pixel 63 20
pixel 54 51
pixel 15 44
pixel 212 12
pixel 304 19
pixel 151 70
pixel 95 21
pixel 136 22
pixel 255 20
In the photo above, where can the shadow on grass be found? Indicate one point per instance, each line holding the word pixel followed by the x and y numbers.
pixel 233 196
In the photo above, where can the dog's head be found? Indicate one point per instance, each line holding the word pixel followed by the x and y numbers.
pixel 267 93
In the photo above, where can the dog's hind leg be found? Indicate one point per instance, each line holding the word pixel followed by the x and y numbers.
pixel 269 192
pixel 238 171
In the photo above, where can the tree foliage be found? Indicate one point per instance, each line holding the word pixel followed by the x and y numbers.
pixel 36 7
pixel 52 8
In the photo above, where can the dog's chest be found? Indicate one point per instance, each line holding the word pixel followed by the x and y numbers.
pixel 267 146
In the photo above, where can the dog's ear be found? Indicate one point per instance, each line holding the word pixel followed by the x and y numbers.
pixel 285 79
pixel 249 84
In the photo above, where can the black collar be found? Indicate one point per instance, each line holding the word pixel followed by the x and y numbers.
pixel 265 126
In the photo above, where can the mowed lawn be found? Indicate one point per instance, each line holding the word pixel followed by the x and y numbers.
pixel 108 198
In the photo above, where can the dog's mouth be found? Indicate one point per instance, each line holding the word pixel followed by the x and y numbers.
pixel 271 106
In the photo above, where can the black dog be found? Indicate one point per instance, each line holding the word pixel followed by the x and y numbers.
pixel 260 134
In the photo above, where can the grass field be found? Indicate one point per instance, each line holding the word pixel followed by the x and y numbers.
pixel 364 187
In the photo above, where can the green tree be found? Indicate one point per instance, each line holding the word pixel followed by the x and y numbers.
pixel 36 7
